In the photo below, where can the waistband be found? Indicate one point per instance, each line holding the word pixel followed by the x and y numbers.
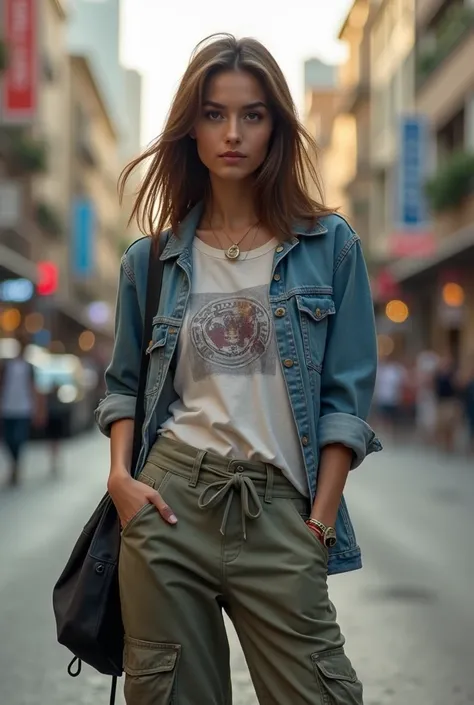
pixel 206 467
pixel 223 478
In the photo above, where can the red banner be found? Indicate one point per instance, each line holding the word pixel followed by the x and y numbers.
pixel 20 84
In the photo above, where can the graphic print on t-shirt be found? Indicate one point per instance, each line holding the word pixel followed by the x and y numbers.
pixel 231 334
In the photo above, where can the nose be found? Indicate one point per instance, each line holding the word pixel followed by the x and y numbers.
pixel 233 131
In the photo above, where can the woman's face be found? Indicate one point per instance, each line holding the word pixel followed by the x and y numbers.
pixel 233 132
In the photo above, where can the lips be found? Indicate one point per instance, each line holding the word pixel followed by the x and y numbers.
pixel 233 155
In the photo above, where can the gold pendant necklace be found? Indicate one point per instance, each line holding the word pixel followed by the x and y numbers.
pixel 233 252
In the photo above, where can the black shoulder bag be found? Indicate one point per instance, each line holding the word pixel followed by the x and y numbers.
pixel 86 598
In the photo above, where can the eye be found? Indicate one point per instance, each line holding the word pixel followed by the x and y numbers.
pixel 213 115
pixel 253 117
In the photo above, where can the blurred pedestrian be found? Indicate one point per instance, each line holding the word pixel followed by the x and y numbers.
pixel 389 386
pixel 426 403
pixel 55 427
pixel 262 364
pixel 448 403
pixel 18 407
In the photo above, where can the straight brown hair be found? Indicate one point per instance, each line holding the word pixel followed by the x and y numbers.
pixel 176 179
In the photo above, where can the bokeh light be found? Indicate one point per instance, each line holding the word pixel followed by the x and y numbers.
pixel 397 311
pixel 86 340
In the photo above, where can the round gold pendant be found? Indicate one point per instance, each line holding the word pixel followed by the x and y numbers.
pixel 233 252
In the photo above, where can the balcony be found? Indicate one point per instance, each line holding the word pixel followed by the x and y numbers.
pixel 451 194
pixel 445 68
pixel 24 154
pixel 352 95
pixel 86 152
pixel 426 10
pixel 456 27
pixel 48 220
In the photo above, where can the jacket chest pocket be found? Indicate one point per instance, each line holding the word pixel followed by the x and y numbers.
pixel 156 352
pixel 315 313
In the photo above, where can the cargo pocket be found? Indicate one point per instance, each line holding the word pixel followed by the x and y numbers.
pixel 150 669
pixel 337 679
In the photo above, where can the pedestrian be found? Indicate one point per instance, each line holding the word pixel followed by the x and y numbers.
pixel 448 402
pixel 261 371
pixel 390 383
pixel 18 407
pixel 426 406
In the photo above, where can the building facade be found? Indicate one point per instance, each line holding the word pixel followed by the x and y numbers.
pixel 444 94
pixel 61 152
pixel 354 114
pixel 94 162
pixel 321 96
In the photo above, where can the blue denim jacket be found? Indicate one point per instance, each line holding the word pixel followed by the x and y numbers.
pixel 324 323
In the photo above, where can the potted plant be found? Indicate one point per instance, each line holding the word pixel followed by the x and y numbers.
pixel 28 154
pixel 48 220
pixel 453 182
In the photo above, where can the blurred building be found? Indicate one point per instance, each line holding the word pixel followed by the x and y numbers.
pixel 93 149
pixel 321 95
pixel 350 141
pixel 392 39
pixel 33 133
pixel 64 133
pixel 94 32
pixel 131 146
pixel 444 95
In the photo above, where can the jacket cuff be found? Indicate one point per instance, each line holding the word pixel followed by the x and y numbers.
pixel 350 431
pixel 114 407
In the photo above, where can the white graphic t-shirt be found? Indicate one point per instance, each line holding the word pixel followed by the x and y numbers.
pixel 232 395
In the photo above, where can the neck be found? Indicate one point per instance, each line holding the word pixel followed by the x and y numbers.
pixel 231 206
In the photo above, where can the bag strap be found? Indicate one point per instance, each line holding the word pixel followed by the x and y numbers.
pixel 153 292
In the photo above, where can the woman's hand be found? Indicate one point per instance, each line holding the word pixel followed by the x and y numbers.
pixel 130 495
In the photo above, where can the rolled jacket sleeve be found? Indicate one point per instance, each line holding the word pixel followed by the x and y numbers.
pixel 121 376
pixel 350 359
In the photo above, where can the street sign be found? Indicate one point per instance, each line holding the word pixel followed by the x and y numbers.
pixel 83 236
pixel 20 79
pixel 413 235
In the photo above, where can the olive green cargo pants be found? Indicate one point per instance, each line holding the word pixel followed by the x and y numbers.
pixel 240 544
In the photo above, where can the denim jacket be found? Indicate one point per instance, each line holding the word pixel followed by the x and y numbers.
pixel 325 333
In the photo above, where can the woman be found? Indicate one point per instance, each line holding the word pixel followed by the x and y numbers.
pixel 262 367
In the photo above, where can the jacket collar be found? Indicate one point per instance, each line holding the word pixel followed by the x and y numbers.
pixel 187 230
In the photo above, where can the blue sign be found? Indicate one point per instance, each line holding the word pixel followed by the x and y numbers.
pixel 413 166
pixel 83 237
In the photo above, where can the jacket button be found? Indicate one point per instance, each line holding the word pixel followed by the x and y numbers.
pixel 318 312
pixel 99 568
pixel 280 312
pixel 288 363
pixel 280 248
pixel 276 277
pixel 304 440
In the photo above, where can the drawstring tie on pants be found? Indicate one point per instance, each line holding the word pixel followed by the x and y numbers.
pixel 221 488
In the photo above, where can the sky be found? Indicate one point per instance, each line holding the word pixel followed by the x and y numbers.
pixel 158 37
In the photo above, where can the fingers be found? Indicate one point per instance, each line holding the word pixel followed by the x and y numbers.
pixel 165 511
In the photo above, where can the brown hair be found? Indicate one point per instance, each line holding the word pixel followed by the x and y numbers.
pixel 177 179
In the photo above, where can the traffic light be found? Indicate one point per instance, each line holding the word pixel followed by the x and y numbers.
pixel 47 278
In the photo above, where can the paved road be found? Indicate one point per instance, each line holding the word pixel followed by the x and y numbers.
pixel 408 616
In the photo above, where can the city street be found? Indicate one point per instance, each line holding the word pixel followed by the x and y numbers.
pixel 408 615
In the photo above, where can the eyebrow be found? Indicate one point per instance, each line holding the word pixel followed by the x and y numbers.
pixel 249 106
